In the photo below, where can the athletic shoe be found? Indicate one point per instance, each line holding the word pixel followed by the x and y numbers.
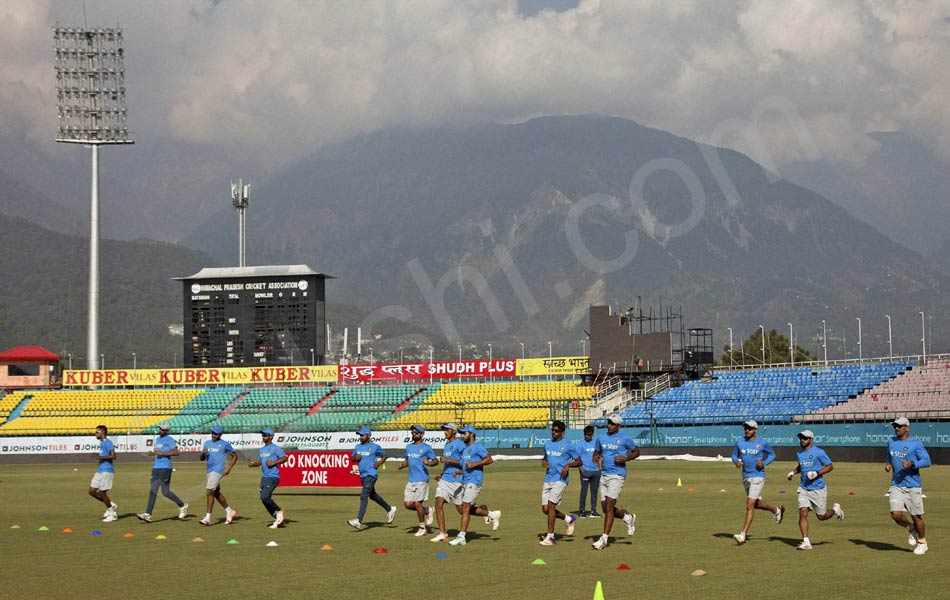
pixel 912 537
pixel 630 519
pixel 839 514
pixel 421 532
pixel 229 516
pixel 111 509
pixel 440 538
pixel 582 514
pixel 206 521
pixel 392 514
pixel 354 523
pixel 570 520
pixel 803 546
pixel 779 514
pixel 183 511
pixel 920 549
pixel 595 515
pixel 145 517
pixel 112 517
pixel 739 538
pixel 548 541
pixel 458 541
pixel 601 543
pixel 430 514
pixel 278 519
pixel 495 519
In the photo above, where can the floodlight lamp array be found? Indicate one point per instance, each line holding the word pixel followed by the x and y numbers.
pixel 90 86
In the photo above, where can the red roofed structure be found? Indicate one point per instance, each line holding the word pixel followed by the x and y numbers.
pixel 28 367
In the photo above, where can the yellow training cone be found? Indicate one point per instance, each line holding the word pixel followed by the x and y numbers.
pixel 160 537
pixel 679 482
pixel 598 592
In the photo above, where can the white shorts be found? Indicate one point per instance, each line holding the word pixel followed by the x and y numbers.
pixel 552 491
pixel 470 493
pixel 817 500
pixel 753 487
pixel 909 499
pixel 610 486
pixel 102 481
pixel 214 480
pixel 451 491
pixel 416 491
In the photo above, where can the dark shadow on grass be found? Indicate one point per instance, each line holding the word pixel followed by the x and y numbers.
pixel 880 546
pixel 793 542
pixel 725 536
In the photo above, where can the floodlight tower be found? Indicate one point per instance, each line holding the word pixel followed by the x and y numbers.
pixel 241 198
pixel 90 98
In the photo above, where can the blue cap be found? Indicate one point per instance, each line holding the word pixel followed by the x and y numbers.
pixel 217 430
pixel 467 429
pixel 267 432
pixel 364 431
pixel 418 428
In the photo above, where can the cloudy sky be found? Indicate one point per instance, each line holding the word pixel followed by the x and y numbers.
pixel 218 90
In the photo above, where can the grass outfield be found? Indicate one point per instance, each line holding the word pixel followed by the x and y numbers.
pixel 677 531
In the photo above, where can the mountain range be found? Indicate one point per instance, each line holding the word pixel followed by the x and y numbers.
pixel 505 234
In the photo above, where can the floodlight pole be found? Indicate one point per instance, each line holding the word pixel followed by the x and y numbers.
pixel 90 90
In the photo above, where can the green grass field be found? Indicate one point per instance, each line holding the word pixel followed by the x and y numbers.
pixel 678 531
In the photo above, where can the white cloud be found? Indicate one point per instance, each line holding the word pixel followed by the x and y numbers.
pixel 272 81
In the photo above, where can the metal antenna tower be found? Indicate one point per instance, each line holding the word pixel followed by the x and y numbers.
pixel 241 198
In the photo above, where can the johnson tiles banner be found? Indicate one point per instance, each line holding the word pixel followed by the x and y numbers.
pixel 429 370
pixel 223 376
pixel 559 365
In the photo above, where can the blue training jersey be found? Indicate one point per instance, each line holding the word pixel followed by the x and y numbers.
pixel 164 443
pixel 105 449
pixel 559 454
pixel 751 452
pixel 586 450
pixel 909 449
pixel 415 454
pixel 365 456
pixel 612 446
pixel 217 453
pixel 270 452
pixel 812 460
pixel 473 453
pixel 452 450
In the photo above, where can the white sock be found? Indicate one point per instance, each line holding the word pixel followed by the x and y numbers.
pixel 461 534
pixel 806 540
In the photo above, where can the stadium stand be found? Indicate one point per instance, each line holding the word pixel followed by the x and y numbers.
pixel 350 407
pixel 767 395
pixel 504 404
pixel 79 412
pixel 921 392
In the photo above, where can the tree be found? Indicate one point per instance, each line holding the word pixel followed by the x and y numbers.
pixel 750 352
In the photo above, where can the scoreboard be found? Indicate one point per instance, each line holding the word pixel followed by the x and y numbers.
pixel 246 316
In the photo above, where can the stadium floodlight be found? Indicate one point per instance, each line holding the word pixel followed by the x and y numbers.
pixel 90 99
pixel 241 199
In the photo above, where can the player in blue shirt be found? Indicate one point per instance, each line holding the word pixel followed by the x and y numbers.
pixel 813 464
pixel 751 456
pixel 612 452
pixel 559 457
pixel 450 482
pixel 419 455
pixel 367 457
pixel 270 457
pixel 216 451
pixel 474 459
pixel 105 474
pixel 906 456
pixel 590 474
pixel 163 448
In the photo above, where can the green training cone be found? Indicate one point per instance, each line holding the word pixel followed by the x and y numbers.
pixel 598 592
pixel 538 561
pixel 233 542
